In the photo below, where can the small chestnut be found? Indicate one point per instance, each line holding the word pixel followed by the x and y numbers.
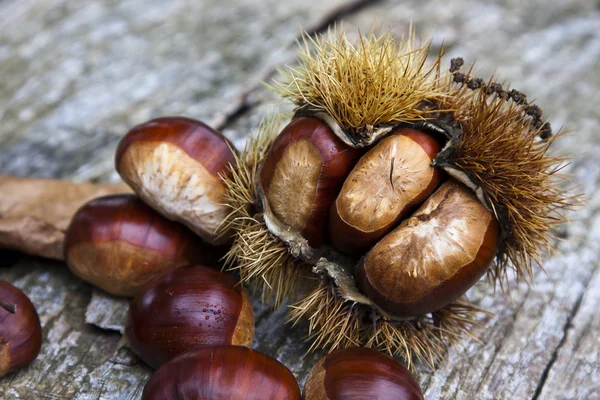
pixel 173 164
pixel 118 243
pixel 20 329
pixel 360 373
pixel 387 183
pixel 222 373
pixel 433 257
pixel 303 173
pixel 185 308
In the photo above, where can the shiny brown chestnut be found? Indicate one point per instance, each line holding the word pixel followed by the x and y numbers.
pixel 388 182
pixel 360 373
pixel 20 329
pixel 185 308
pixel 222 373
pixel 118 244
pixel 303 173
pixel 173 164
pixel 433 257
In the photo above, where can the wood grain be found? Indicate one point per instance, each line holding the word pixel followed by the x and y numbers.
pixel 75 78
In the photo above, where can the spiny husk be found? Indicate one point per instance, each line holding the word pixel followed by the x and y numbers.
pixel 257 255
pixel 377 81
pixel 337 323
pixel 501 151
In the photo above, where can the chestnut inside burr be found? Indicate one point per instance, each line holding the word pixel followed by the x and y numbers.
pixel 433 257
pixel 407 262
pixel 385 185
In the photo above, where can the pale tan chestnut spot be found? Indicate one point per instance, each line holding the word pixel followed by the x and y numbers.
pixel 315 383
pixel 130 267
pixel 243 334
pixel 384 181
pixel 177 186
pixel 444 235
pixel 4 356
pixel 293 188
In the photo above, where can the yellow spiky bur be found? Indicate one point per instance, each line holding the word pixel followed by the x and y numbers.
pixel 353 185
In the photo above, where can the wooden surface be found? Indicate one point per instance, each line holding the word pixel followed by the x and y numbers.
pixel 75 75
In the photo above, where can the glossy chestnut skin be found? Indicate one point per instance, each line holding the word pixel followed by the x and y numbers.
pixel 433 257
pixel 360 373
pixel 222 373
pixel 173 164
pixel 303 173
pixel 393 178
pixel 186 308
pixel 118 244
pixel 20 329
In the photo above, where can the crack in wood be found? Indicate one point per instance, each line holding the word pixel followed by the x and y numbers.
pixel 554 357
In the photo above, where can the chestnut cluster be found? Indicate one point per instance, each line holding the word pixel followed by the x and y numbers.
pixel 420 238
pixel 120 242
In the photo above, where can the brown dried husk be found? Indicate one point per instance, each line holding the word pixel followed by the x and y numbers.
pixel 35 213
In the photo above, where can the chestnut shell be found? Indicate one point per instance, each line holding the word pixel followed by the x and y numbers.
pixel 20 329
pixel 118 243
pixel 360 373
pixel 222 373
pixel 186 308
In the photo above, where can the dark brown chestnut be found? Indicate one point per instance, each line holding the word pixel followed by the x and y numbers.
pixel 360 373
pixel 118 243
pixel 433 257
pixel 20 329
pixel 387 183
pixel 222 373
pixel 303 173
pixel 185 308
pixel 173 164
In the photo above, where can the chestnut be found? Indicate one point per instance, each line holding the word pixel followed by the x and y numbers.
pixel 433 257
pixel 173 164
pixel 387 183
pixel 222 373
pixel 20 329
pixel 185 308
pixel 303 173
pixel 118 244
pixel 360 373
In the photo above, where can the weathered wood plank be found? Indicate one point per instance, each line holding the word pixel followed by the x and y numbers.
pixel 68 101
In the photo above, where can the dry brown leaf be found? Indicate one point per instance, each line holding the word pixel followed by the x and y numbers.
pixel 34 213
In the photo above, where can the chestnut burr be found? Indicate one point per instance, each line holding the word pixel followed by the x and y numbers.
pixel 186 308
pixel 433 257
pixel 118 244
pixel 222 373
pixel 174 164
pixel 20 329
pixel 360 373
pixel 303 173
